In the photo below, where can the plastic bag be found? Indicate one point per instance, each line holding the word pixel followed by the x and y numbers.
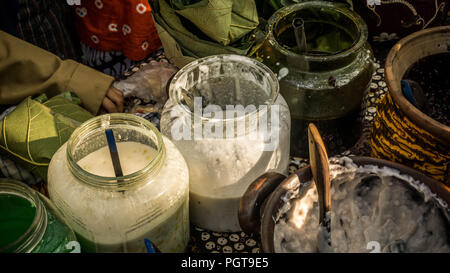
pixel 149 84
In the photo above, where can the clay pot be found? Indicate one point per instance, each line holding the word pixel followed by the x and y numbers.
pixel 401 57
pixel 263 199
pixel 401 132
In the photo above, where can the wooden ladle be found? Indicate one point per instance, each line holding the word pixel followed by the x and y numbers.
pixel 318 159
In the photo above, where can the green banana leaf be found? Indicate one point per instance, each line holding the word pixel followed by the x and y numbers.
pixel 184 39
pixel 182 4
pixel 35 130
pixel 224 21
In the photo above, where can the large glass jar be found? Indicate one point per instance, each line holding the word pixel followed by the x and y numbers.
pixel 117 214
pixel 227 118
pixel 323 79
pixel 29 222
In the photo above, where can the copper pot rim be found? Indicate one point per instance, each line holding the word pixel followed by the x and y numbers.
pixel 437 129
pixel 274 201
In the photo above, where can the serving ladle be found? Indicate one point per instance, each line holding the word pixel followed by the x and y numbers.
pixel 318 160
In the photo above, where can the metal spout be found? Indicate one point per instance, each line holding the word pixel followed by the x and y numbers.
pixel 300 36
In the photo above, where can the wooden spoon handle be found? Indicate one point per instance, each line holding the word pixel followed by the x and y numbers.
pixel 320 169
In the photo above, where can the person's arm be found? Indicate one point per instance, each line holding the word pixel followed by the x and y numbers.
pixel 28 70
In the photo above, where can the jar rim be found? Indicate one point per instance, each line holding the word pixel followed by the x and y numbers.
pixel 353 16
pixel 273 80
pixel 101 123
pixel 35 232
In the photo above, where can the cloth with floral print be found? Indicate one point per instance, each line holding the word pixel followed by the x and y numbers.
pixel 118 25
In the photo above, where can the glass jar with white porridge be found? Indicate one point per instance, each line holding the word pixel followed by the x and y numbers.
pixel 116 214
pixel 227 118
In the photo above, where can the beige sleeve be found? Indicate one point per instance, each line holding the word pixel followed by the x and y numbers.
pixel 27 70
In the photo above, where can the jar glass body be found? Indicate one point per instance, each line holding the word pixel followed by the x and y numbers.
pixel 110 214
pixel 327 80
pixel 226 149
pixel 30 223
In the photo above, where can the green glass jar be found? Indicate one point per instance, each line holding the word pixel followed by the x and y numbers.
pixel 29 223
pixel 324 79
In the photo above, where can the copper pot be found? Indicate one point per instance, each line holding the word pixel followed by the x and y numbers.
pixel 263 198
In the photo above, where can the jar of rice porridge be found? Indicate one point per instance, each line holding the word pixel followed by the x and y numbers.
pixel 117 214
pixel 227 118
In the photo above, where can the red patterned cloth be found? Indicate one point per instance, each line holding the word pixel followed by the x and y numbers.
pixel 118 25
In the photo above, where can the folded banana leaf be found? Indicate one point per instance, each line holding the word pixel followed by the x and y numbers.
pixel 224 21
pixel 182 4
pixel 220 27
pixel 35 130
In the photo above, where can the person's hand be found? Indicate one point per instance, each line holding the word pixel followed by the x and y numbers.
pixel 112 102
